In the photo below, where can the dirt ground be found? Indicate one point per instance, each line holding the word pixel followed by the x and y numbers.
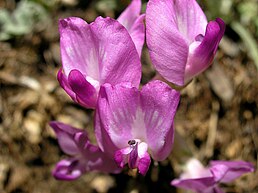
pixel 217 116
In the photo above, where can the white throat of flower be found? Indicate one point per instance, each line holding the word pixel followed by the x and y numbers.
pixel 135 154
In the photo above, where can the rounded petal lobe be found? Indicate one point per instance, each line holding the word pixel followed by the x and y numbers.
pixel 86 94
pixel 67 170
pixel 65 135
pixel 201 53
pixel 62 79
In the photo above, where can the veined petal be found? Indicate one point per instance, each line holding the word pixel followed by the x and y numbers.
pixel 79 47
pixel 159 104
pixel 131 19
pixel 115 113
pixel 85 92
pixel 118 58
pixel 124 113
pixel 190 19
pixel 201 53
pixel 226 171
pixel 101 52
pixel 167 46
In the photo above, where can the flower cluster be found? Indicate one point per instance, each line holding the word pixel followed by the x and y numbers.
pixel 101 70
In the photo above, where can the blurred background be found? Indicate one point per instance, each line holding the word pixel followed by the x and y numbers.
pixel 217 116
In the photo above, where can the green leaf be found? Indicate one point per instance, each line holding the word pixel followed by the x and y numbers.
pixel 248 40
pixel 28 16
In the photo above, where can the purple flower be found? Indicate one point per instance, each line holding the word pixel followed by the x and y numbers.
pixel 181 43
pixel 94 54
pixel 206 180
pixel 131 125
pixel 84 156
pixel 131 19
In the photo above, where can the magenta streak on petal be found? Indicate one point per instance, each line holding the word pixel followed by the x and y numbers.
pixel 133 156
pixel 86 94
pixel 100 52
pixel 202 53
pixel 222 31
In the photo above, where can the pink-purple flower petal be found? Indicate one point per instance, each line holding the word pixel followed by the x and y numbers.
pixel 168 48
pixel 200 185
pixel 84 155
pixel 62 79
pixel 159 105
pixel 231 169
pixel 206 180
pixel 68 169
pixel 130 122
pixel 131 19
pixel 65 136
pixel 179 47
pixel 86 94
pixel 190 19
pixel 201 53
pixel 115 113
pixel 103 52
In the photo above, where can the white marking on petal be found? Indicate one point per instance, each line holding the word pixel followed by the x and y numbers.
pixel 194 169
pixel 93 82
pixel 92 64
pixel 142 149
pixel 138 125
